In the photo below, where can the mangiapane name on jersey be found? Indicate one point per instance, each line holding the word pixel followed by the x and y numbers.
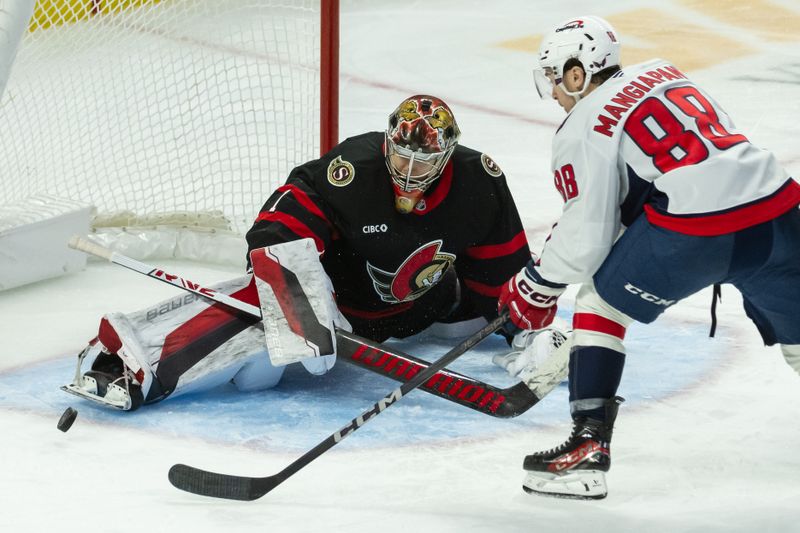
pixel 631 94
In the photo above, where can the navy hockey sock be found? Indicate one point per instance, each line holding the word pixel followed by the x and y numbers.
pixel 594 376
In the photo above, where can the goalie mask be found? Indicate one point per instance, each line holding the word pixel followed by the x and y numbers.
pixel 590 40
pixel 420 139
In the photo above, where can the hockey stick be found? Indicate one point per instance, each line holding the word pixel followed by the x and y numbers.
pixel 84 245
pixel 464 390
pixel 245 488
pixel 395 364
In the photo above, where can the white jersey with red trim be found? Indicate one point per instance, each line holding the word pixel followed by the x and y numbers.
pixel 649 139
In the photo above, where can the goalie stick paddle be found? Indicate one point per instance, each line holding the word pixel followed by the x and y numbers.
pixel 231 487
pixel 358 351
pixel 458 388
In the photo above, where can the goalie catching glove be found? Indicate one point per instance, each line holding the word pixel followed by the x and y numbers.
pixel 539 358
pixel 531 349
pixel 529 299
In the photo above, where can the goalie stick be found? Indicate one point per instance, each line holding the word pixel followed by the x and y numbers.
pixel 464 390
pixel 231 487
pixel 375 357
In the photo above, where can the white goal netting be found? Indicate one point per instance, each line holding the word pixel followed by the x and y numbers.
pixel 160 107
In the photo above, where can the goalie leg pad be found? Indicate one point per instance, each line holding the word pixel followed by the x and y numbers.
pixel 258 374
pixel 184 344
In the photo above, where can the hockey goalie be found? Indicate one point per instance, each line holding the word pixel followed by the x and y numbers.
pixel 388 234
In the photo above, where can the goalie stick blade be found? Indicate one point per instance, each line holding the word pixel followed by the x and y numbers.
pixel 452 386
pixel 214 485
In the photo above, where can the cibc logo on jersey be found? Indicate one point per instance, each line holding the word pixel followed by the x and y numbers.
pixel 374 228
pixel 420 271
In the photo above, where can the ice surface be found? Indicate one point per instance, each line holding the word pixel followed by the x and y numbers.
pixel 706 442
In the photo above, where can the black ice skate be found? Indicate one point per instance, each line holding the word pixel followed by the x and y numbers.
pixel 108 382
pixel 577 468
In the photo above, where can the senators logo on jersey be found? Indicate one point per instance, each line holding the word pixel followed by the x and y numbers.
pixel 422 270
pixel 340 172
pixel 490 166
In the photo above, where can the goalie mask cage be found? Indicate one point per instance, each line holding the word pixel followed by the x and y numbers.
pixel 152 108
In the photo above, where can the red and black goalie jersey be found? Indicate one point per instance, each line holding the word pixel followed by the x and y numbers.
pixel 396 274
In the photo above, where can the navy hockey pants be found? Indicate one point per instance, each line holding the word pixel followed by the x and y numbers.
pixel 651 268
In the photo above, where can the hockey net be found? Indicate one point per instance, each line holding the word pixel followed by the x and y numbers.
pixel 163 112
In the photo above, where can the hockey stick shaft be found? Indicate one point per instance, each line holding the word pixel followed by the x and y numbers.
pixel 394 364
pixel 85 245
pixel 216 485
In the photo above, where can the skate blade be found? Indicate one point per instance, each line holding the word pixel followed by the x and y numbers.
pixel 123 404
pixel 577 485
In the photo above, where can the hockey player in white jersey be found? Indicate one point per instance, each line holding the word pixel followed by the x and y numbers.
pixel 645 150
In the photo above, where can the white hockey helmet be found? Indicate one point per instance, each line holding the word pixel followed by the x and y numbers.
pixel 591 40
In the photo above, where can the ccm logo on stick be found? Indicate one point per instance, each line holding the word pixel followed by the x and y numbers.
pixel 646 296
pixel 364 418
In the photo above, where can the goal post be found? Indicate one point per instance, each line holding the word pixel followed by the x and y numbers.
pixel 329 75
pixel 159 112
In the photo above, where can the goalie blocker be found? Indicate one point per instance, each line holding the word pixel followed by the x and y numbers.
pixel 297 305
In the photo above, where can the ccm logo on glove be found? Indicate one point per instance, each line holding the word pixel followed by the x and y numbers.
pixel 534 297
pixel 529 300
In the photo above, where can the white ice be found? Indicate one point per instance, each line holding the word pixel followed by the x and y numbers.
pixel 720 454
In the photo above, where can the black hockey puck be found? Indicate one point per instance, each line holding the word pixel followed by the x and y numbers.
pixel 67 419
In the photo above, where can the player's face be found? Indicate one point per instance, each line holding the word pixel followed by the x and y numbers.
pixel 412 172
pixel 416 170
pixel 572 82
pixel 564 100
pixel 411 177
pixel 545 80
pixel 548 81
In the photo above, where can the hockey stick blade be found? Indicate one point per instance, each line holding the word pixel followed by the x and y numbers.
pixel 452 386
pixel 216 485
pixel 231 487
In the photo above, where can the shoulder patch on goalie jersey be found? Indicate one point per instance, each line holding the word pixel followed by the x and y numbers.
pixel 340 172
pixel 490 166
